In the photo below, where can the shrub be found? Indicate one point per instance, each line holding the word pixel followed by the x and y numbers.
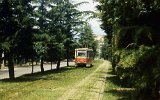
pixel 148 74
pixel 126 66
pixel 140 69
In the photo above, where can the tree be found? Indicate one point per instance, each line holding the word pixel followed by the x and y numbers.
pixel 64 19
pixel 56 28
pixel 86 38
pixel 24 49
pixel 13 15
pixel 135 42
pixel 130 18
pixel 8 31
pixel 72 19
pixel 106 49
pixel 41 37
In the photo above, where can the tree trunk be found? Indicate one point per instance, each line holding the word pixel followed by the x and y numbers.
pixel 67 62
pixel 58 64
pixel 5 62
pixel 51 65
pixel 36 62
pixel 2 63
pixel 11 66
pixel 1 60
pixel 32 66
pixel 67 56
pixel 42 68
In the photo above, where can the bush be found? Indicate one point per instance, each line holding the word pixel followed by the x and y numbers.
pixel 140 69
pixel 148 74
pixel 126 66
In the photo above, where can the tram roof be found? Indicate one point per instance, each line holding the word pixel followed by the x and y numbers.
pixel 83 49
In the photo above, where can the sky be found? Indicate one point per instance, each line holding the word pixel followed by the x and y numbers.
pixel 95 23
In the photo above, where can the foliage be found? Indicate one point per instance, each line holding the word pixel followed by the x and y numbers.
pixel 42 29
pixel 140 69
pixel 147 74
pixel 10 27
pixel 130 21
pixel 15 19
pixel 64 22
pixel 125 67
pixel 86 38
pixel 106 50
pixel 130 24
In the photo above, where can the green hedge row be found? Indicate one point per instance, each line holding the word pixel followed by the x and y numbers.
pixel 140 68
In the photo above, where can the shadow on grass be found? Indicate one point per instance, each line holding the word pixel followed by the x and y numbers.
pixel 111 72
pixel 84 66
pixel 117 88
pixel 46 75
pixel 122 94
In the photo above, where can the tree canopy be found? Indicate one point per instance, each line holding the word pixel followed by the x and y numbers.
pixel 132 28
pixel 38 29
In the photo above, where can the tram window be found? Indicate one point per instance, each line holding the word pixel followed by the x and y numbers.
pixel 89 54
pixel 81 54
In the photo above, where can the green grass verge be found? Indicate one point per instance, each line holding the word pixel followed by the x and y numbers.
pixel 115 90
pixel 44 86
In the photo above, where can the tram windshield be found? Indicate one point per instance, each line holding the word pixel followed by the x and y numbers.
pixel 81 54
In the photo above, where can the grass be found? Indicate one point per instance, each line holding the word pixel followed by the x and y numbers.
pixel 43 86
pixel 114 89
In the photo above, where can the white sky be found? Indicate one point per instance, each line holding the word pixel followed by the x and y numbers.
pixel 95 23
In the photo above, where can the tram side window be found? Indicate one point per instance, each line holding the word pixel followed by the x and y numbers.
pixel 89 54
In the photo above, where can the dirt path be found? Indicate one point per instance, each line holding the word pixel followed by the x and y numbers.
pixel 91 87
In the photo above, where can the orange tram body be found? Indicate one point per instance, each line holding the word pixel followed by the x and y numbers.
pixel 83 56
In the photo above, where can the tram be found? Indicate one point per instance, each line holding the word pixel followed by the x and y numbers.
pixel 83 56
